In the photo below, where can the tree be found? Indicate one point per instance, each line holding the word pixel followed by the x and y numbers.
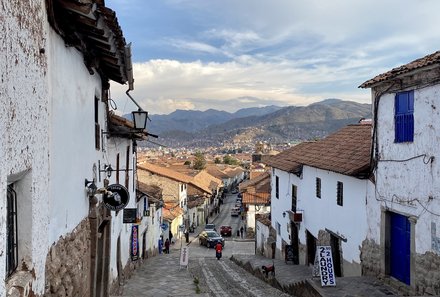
pixel 199 161
pixel 230 161
pixel 217 160
pixel 187 162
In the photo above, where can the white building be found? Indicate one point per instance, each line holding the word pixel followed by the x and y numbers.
pixel 57 238
pixel 319 191
pixel 403 239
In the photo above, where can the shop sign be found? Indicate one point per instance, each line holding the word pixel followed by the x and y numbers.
pixel 118 197
pixel 129 216
pixel 326 268
pixel 134 242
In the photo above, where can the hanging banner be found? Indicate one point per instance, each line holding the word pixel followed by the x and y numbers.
pixel 134 242
pixel 326 268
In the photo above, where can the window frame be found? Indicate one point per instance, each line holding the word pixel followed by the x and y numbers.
pixel 404 117
pixel 318 187
pixel 294 196
pixel 340 193
pixel 11 237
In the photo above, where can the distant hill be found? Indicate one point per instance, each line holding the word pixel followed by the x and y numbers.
pixel 275 124
pixel 195 120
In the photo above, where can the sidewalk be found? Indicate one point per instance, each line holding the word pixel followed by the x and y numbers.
pixel 297 280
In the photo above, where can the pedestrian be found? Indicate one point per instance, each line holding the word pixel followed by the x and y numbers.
pixel 241 231
pixel 238 232
pixel 186 235
pixel 167 246
pixel 218 250
pixel 160 244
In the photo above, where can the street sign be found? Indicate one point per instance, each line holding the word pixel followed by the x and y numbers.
pixel 326 268
pixel 117 197
pixel 129 215
pixel 184 255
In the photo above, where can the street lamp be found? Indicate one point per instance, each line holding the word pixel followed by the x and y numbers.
pixel 140 119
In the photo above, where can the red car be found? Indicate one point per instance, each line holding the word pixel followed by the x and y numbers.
pixel 225 230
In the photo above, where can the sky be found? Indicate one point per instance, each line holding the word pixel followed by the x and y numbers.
pixel 233 54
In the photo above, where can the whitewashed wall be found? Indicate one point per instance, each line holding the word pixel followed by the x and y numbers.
pixel 112 147
pixel 318 214
pixel 24 122
pixel 72 129
pixel 349 220
pixel 411 187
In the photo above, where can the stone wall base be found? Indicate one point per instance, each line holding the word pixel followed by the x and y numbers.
pixel 68 264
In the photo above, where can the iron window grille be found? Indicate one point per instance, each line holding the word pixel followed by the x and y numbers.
pixel 318 187
pixel 294 197
pixel 11 232
pixel 340 193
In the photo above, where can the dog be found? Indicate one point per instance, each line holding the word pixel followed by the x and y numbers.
pixel 268 269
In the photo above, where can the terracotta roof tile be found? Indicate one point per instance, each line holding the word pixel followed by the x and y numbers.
pixel 256 198
pixel 414 65
pixel 174 175
pixel 347 152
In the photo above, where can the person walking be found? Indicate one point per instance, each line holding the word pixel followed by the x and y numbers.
pixel 241 231
pixel 167 246
pixel 218 250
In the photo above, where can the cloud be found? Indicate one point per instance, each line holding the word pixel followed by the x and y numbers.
pixel 232 54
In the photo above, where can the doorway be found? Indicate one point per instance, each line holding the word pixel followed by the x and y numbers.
pixel 399 247
pixel 335 244
pixel 311 248
pixel 295 242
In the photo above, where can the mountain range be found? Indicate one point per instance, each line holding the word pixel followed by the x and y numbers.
pixel 189 128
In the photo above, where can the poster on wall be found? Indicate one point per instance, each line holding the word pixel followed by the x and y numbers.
pixel 326 268
pixel 134 242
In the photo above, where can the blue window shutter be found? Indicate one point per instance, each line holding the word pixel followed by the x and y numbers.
pixel 404 117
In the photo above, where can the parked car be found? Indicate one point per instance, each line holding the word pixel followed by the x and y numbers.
pixel 235 211
pixel 225 230
pixel 240 195
pixel 234 191
pixel 210 239
pixel 210 227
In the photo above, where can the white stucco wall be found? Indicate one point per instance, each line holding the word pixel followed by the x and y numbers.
pixel 411 187
pixel 24 120
pixel 72 144
pixel 318 214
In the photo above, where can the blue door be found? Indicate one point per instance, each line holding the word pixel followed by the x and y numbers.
pixel 400 247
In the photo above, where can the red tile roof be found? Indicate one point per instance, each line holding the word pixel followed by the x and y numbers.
pixel 428 60
pixel 174 175
pixel 256 198
pixel 347 152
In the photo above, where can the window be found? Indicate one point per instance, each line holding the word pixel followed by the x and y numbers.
pixel 294 197
pixel 11 232
pixel 97 127
pixel 318 187
pixel 278 226
pixel 340 193
pixel 277 187
pixel 404 117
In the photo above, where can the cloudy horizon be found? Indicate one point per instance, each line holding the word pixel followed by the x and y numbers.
pixel 228 55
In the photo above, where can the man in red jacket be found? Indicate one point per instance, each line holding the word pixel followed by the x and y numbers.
pixel 218 250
